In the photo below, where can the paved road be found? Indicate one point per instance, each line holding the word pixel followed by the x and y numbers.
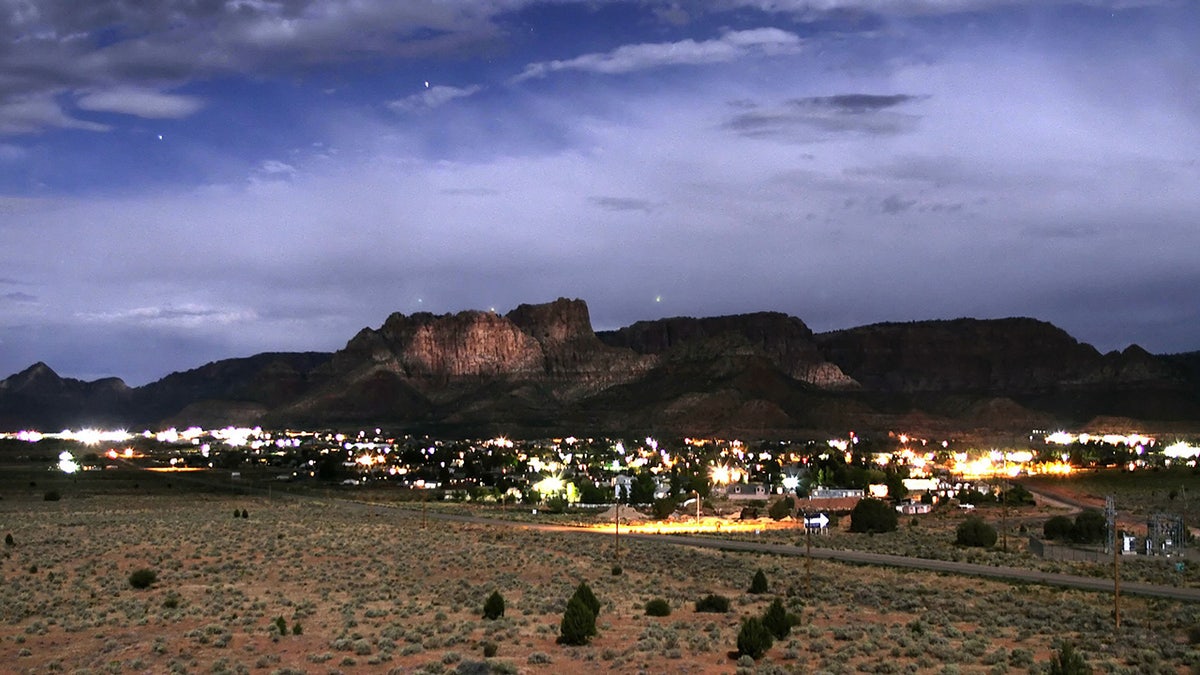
pixel 861 557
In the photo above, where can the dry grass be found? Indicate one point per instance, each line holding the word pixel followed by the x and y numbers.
pixel 374 592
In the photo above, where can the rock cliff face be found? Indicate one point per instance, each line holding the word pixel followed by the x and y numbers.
pixel 1002 355
pixel 541 370
pixel 783 339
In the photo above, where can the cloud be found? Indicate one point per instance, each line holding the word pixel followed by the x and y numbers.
pixel 26 114
pixel 189 316
pixel 432 97
pixel 624 204
pixel 19 297
pixel 140 102
pixel 819 117
pixel 731 46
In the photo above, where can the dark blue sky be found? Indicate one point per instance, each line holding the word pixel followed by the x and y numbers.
pixel 186 181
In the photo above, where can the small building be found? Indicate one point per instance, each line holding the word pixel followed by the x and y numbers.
pixel 836 493
pixel 622 486
pixel 759 491
pixel 914 508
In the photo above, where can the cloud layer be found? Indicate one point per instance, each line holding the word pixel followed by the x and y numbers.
pixel 318 165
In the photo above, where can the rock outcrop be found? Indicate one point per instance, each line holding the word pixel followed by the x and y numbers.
pixel 541 370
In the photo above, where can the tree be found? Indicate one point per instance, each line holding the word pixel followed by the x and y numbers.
pixel 1058 527
pixel 758 585
pixel 1090 527
pixel 663 508
pixel 754 639
pixel 578 623
pixel 8 540
pixel 974 532
pixel 776 620
pixel 873 515
pixel 1068 662
pixel 1017 495
pixel 585 594
pixel 643 489
pixel 493 607
pixel 781 509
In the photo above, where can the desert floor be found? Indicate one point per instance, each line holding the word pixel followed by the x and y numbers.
pixel 372 591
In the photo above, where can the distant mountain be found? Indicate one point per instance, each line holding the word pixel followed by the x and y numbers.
pixel 541 370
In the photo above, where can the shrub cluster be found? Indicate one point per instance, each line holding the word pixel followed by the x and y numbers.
pixel 713 603
pixel 1089 527
pixel 142 578
pixel 658 607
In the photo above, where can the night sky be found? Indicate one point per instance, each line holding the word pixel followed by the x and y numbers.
pixel 184 181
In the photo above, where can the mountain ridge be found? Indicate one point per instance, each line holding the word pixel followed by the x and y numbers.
pixel 542 369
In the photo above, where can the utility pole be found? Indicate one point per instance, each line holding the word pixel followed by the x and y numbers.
pixel 1110 516
pixel 808 560
pixel 617 532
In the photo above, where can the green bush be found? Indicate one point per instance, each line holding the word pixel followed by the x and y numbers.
pixel 281 625
pixel 51 496
pixel 658 607
pixel 297 629
pixel 142 578
pixel 663 508
pixel 493 607
pixel 974 532
pixel 1090 527
pixel 1058 528
pixel 713 603
pixel 776 620
pixel 758 585
pixel 578 623
pixel 1068 662
pixel 873 515
pixel 490 649
pixel 584 593
pixel 781 509
pixel 8 540
pixel 754 639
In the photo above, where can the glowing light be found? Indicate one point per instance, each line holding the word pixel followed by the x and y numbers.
pixel 1181 450
pixel 790 483
pixel 66 463
pixel 549 486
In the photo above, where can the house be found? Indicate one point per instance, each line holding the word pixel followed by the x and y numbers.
pixel 912 508
pixel 759 491
pixel 836 493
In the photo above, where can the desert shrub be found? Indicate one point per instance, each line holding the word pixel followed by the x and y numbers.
pixel 297 629
pixel 1058 527
pixel 663 508
pixel 1068 662
pixel 758 585
pixel 754 639
pixel 171 601
pixel 1090 527
pixel 237 513
pixel 617 571
pixel 1017 495
pixel 281 625
pixel 578 623
pixel 493 607
pixel 8 540
pixel 780 509
pixel 490 649
pixel 776 620
pixel 974 532
pixel 873 515
pixel 748 513
pixel 142 578
pixel 658 607
pixel 584 593
pixel 51 496
pixel 713 603
pixel 245 513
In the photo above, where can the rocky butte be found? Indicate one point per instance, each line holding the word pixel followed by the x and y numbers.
pixel 542 370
